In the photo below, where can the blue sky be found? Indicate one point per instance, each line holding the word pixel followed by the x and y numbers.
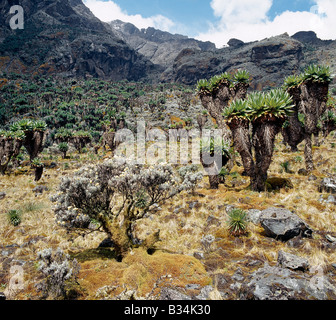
pixel 219 20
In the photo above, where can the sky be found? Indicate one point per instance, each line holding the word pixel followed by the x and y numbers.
pixel 220 20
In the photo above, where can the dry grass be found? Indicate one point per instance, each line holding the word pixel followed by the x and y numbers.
pixel 182 229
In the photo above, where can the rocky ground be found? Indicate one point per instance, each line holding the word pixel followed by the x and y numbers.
pixel 289 252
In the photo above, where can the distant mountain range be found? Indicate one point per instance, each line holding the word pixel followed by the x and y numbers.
pixel 63 37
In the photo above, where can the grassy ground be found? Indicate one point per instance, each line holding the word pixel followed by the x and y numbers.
pixel 183 222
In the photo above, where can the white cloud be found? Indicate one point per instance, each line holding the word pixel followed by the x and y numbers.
pixel 108 11
pixel 247 20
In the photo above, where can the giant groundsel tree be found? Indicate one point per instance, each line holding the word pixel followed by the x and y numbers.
pixel 220 90
pixel 254 124
pixel 310 94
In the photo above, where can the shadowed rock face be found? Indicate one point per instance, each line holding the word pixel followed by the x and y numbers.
pixel 269 61
pixel 64 37
pixel 283 225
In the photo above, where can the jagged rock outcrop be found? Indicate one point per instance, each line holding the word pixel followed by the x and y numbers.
pixel 64 37
pixel 269 61
pixel 158 46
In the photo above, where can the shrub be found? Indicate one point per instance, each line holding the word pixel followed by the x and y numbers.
pixel 116 190
pixel 59 272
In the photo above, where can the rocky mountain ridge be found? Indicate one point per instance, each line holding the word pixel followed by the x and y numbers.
pixel 64 38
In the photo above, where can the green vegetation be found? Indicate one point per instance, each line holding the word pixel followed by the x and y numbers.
pixel 14 217
pixel 237 222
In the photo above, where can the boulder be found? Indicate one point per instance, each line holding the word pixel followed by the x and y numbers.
pixel 276 283
pixel 40 189
pixel 328 185
pixel 235 43
pixel 171 294
pixel 253 215
pixel 291 261
pixel 283 225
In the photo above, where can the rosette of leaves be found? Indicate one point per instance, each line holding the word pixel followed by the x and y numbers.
pixel 276 104
pixel 203 87
pixel 36 163
pixel 14 217
pixel 218 80
pixel 63 135
pixel 292 81
pixel 237 222
pixel 24 125
pixel 215 154
pixel 238 109
pixel 241 76
pixel 214 146
pixel 39 125
pixel 317 73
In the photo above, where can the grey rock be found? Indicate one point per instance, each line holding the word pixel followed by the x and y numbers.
pixel 276 283
pixel 331 199
pixel 283 225
pixel 253 215
pixel 199 255
pixel 330 238
pixel 170 294
pixel 238 276
pixel 193 286
pixel 235 43
pixel 205 292
pixel 40 189
pixel 303 172
pixel 291 261
pixel 2 195
pixel 328 185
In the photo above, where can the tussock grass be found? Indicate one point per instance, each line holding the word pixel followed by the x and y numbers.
pixel 181 226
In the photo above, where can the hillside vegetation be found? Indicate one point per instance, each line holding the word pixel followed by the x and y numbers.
pixel 78 224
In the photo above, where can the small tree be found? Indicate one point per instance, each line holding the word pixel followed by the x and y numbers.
pixel 219 91
pixel 34 135
pixel 117 195
pixel 310 94
pixel 214 155
pixel 10 145
pixel 265 113
pixel 63 147
pixel 80 139
pixel 38 168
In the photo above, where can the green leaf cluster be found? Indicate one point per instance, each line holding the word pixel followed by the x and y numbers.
pixel 237 222
pixel 314 73
pixel 274 103
pixel 208 86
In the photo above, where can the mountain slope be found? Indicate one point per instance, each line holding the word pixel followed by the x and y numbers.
pixel 186 60
pixel 64 37
pixel 158 46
